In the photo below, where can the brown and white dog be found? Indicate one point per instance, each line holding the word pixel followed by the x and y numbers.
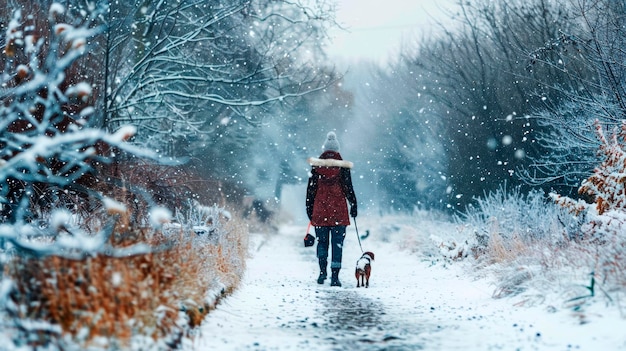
pixel 364 269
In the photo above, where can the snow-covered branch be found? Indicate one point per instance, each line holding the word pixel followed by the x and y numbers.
pixel 47 145
pixel 192 66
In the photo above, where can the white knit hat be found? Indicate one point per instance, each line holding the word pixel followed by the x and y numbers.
pixel 331 143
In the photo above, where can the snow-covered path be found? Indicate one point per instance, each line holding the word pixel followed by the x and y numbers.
pixel 410 305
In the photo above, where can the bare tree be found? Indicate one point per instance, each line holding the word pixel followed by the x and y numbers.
pixel 592 57
pixel 477 75
pixel 192 71
pixel 47 147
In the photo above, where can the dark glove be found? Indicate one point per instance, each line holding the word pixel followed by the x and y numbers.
pixel 353 211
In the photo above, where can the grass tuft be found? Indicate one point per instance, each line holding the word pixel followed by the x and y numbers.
pixel 102 302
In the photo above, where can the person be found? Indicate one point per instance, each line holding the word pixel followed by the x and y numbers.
pixel 330 185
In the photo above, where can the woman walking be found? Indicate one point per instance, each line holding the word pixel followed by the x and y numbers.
pixel 330 185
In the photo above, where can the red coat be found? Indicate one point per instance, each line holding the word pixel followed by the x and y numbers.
pixel 330 185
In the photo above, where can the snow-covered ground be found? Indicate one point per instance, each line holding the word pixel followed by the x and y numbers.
pixel 413 303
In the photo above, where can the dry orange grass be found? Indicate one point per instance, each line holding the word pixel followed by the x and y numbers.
pixel 500 250
pixel 597 250
pixel 500 247
pixel 119 298
pixel 109 303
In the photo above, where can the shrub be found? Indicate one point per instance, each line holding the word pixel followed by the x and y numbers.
pixel 502 222
pixel 514 236
pixel 111 302
pixel 603 231
pixel 606 214
pixel 89 259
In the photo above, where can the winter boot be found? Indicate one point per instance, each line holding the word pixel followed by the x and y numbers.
pixel 334 279
pixel 323 274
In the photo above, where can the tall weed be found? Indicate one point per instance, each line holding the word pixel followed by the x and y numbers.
pixel 567 246
pixel 505 222
pixel 102 302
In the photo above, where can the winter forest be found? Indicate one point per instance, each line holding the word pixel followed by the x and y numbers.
pixel 141 142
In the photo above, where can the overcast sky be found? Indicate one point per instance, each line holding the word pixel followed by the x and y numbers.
pixel 376 28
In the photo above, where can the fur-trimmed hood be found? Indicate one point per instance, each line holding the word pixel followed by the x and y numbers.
pixel 329 162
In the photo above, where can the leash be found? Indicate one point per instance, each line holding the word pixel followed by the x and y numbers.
pixel 357 233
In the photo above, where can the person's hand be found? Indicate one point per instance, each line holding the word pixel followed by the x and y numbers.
pixel 353 211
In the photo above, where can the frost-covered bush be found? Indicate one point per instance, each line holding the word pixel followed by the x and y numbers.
pixel 516 236
pixel 512 216
pixel 87 262
pixel 604 225
pixel 530 244
pixel 118 296
pixel 606 215
pixel 203 220
pixel 48 145
pixel 226 240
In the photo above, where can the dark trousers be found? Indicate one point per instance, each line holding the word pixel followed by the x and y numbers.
pixel 336 235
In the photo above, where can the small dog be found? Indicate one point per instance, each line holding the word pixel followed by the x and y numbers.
pixel 364 269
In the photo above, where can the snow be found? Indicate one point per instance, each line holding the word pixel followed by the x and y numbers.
pixel 113 206
pixel 82 89
pixel 124 133
pixel 62 27
pixel 56 9
pixel 59 219
pixel 159 216
pixel 415 302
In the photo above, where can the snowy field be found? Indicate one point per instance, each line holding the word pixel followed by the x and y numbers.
pixel 414 303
